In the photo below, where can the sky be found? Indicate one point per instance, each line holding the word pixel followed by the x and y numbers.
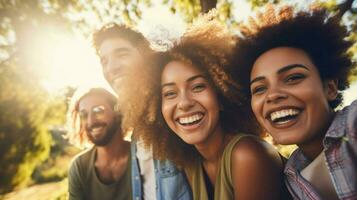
pixel 66 59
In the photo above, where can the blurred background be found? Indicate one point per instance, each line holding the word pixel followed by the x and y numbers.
pixel 45 55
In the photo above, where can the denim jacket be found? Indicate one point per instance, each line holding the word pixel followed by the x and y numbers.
pixel 171 184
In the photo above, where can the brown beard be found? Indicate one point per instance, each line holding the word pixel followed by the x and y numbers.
pixel 111 130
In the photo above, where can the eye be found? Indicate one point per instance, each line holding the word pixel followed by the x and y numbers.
pixel 198 87
pixel 258 89
pixel 122 54
pixel 98 110
pixel 169 94
pixel 294 78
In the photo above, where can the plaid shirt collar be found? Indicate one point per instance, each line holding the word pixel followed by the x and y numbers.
pixel 344 124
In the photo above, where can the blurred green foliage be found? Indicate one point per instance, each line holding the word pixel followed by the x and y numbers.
pixel 55 168
pixel 27 111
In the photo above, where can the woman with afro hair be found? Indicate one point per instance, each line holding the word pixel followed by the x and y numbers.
pixel 202 122
pixel 292 66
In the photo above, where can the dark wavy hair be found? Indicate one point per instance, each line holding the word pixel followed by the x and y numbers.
pixel 208 46
pixel 113 30
pixel 315 32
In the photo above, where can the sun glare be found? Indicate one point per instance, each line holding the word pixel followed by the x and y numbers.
pixel 74 63
pixel 63 60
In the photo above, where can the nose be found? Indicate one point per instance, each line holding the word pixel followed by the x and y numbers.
pixel 185 102
pixel 275 95
pixel 111 68
pixel 91 119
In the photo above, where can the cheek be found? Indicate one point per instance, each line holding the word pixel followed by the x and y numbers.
pixel 256 107
pixel 315 99
pixel 136 61
pixel 166 110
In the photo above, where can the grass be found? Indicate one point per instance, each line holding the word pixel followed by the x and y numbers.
pixel 46 191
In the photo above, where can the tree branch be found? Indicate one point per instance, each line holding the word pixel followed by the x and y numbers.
pixel 207 5
pixel 344 7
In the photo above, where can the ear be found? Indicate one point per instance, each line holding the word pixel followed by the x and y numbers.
pixel 331 90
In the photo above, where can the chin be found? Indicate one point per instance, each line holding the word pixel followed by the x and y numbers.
pixel 286 140
pixel 195 141
pixel 188 141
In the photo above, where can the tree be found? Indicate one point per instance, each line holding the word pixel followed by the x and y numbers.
pixel 24 104
pixel 24 122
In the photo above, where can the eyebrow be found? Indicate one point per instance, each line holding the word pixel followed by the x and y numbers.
pixel 292 66
pixel 122 49
pixel 188 80
pixel 282 70
pixel 119 50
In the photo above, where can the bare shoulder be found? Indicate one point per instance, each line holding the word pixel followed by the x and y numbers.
pixel 254 150
pixel 256 170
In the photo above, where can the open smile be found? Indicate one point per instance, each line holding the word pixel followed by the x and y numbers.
pixel 284 117
pixel 97 129
pixel 190 121
pixel 117 77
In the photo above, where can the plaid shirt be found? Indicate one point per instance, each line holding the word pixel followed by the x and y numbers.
pixel 340 149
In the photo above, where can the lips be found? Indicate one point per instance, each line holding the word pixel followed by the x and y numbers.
pixel 191 121
pixel 116 78
pixel 283 117
pixel 97 129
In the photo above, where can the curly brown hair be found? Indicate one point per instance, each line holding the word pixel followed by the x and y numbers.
pixel 207 45
pixel 316 32
pixel 136 87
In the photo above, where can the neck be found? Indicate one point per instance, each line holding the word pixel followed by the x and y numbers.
pixel 116 149
pixel 212 149
pixel 315 146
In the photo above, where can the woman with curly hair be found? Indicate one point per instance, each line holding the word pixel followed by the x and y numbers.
pixel 201 121
pixel 293 67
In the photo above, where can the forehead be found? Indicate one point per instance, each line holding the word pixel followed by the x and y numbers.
pixel 274 59
pixel 110 44
pixel 177 70
pixel 87 102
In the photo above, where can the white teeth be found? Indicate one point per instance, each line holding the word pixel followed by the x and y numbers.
pixel 190 119
pixel 96 129
pixel 283 113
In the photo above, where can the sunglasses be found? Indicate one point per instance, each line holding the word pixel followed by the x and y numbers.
pixel 97 112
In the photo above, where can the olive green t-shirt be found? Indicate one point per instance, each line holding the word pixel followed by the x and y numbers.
pixel 224 185
pixel 83 182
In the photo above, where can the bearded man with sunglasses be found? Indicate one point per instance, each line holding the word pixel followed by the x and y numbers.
pixel 102 171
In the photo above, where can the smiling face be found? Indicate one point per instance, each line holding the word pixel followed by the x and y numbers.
pixel 189 103
pixel 97 118
pixel 288 97
pixel 117 56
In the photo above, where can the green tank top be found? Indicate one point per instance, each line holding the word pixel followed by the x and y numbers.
pixel 224 185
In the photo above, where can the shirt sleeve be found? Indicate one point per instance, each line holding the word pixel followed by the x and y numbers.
pixel 75 186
